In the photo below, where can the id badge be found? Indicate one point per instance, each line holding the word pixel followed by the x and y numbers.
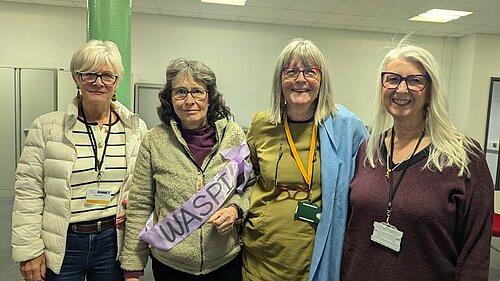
pixel 387 235
pixel 309 212
pixel 98 197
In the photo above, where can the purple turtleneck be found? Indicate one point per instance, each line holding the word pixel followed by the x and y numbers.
pixel 200 142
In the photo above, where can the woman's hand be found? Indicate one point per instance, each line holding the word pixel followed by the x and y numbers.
pixel 223 220
pixel 34 269
pixel 132 279
pixel 121 218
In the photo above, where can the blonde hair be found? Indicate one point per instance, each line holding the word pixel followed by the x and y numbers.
pixel 95 54
pixel 309 55
pixel 449 147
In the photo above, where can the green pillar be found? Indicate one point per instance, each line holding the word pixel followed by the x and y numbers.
pixel 111 20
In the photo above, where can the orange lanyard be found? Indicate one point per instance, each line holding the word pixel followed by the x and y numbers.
pixel 307 177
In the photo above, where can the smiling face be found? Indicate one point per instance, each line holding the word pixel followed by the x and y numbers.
pixel 300 93
pixel 192 113
pixel 403 104
pixel 96 92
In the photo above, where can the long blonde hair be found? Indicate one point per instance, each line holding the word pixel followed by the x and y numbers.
pixel 449 147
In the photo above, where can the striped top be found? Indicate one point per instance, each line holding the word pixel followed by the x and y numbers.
pixel 85 171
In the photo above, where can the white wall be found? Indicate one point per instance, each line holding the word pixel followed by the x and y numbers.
pixel 243 56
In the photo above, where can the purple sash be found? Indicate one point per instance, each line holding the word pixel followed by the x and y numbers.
pixel 202 205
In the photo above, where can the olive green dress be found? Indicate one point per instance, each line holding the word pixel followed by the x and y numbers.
pixel 277 246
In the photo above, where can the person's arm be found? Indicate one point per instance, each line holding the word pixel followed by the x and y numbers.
pixel 121 217
pixel 139 206
pixel 475 223
pixel 27 244
pixel 235 212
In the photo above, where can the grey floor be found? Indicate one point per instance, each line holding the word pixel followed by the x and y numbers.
pixel 10 271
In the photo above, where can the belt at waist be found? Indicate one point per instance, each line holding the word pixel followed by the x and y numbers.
pixel 94 226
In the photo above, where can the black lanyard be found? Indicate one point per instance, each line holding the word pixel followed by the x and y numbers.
pixel 392 188
pixel 93 143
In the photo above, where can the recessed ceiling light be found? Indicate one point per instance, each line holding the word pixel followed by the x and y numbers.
pixel 226 2
pixel 440 15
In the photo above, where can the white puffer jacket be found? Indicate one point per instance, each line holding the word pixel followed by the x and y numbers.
pixel 42 208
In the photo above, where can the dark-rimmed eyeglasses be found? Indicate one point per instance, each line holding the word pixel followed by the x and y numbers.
pixel 91 77
pixel 391 80
pixel 181 93
pixel 292 73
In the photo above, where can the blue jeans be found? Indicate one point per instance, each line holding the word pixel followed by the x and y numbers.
pixel 89 255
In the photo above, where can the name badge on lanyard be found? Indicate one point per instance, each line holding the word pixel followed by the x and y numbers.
pixel 383 232
pixel 98 197
pixel 387 235
pixel 305 210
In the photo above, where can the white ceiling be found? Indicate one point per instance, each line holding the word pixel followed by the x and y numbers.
pixel 363 15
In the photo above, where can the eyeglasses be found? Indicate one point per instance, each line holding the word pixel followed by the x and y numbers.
pixel 91 77
pixel 182 93
pixel 310 73
pixel 391 80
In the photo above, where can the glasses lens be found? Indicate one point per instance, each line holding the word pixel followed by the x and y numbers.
pixel 291 73
pixel 108 79
pixel 89 77
pixel 416 82
pixel 198 94
pixel 182 93
pixel 391 80
pixel 311 72
pixel 179 93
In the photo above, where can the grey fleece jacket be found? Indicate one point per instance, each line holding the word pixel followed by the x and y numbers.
pixel 165 178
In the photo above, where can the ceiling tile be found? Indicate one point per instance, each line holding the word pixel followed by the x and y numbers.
pixel 363 28
pixel 179 5
pixel 219 17
pixel 399 12
pixel 378 2
pixel 329 25
pixel 180 13
pixel 478 19
pixel 367 15
pixel 339 19
pixel 292 23
pixel 449 27
pixel 315 5
pixel 301 16
pixel 258 12
pixel 358 8
pixel 494 24
pixel 218 9
pixel 256 20
pixel 380 22
pixel 269 3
